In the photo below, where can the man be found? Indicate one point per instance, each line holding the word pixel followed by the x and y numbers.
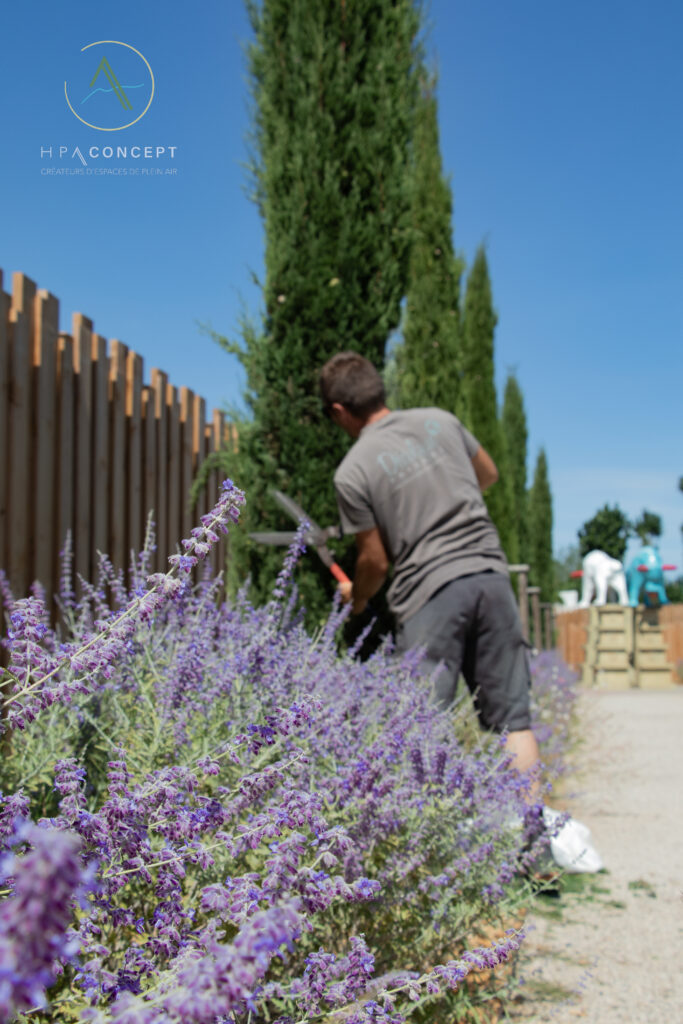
pixel 410 489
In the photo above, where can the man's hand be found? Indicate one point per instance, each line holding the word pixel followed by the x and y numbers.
pixel 346 591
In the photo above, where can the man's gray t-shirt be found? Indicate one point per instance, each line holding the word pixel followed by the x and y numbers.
pixel 410 474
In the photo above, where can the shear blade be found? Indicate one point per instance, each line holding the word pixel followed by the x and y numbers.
pixel 281 537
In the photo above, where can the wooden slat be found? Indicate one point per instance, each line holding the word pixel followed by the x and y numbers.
pixel 100 454
pixel 219 437
pixel 186 423
pixel 572 635
pixel 65 441
pixel 135 513
pixel 4 420
pixel 159 384
pixel 174 468
pixel 118 538
pixel 534 593
pixel 45 432
pixel 218 426
pixel 234 438
pixel 523 597
pixel 219 476
pixel 211 492
pixel 19 561
pixel 82 481
pixel 82 432
pixel 547 628
pixel 199 450
pixel 198 455
pixel 23 301
pixel 149 462
pixel 671 621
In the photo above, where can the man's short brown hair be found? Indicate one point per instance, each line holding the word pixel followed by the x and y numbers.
pixel 351 380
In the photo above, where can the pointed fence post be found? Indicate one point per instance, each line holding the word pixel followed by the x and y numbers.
pixel 522 573
pixel 534 595
pixel 88 448
pixel 547 609
pixel 44 425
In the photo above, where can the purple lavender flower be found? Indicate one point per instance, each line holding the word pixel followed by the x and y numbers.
pixel 553 698
pixel 206 536
pixel 299 798
pixel 418 765
pixel 294 553
pixel 69 783
pixel 13 807
pixel 35 919
pixel 37 679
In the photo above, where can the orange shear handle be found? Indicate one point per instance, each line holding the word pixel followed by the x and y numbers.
pixel 339 573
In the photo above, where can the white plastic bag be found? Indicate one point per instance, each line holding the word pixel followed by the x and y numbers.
pixel 571 845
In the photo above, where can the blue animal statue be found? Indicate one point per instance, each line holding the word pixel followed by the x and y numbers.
pixel 645 578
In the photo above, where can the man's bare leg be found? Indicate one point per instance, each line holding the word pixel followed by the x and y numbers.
pixel 524 748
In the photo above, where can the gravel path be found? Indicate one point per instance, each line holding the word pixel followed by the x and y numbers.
pixel 614 954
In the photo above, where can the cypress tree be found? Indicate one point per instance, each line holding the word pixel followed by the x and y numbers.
pixel 427 362
pixel 334 88
pixel 478 405
pixel 541 572
pixel 515 435
pixel 478 399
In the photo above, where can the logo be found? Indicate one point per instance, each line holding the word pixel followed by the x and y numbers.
pixel 110 86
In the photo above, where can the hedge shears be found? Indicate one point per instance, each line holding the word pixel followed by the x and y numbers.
pixel 315 536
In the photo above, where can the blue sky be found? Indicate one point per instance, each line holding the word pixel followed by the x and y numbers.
pixel 560 129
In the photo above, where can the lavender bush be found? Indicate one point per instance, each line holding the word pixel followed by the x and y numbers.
pixel 553 710
pixel 248 823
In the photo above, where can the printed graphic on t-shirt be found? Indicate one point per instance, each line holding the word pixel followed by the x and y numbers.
pixel 413 457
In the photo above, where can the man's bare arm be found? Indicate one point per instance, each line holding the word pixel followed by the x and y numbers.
pixel 484 468
pixel 372 565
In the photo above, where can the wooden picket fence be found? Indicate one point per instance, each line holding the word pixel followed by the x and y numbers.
pixel 88 447
pixel 572 635
pixel 671 621
pixel 572 629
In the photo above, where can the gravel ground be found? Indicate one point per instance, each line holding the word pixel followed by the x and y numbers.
pixel 614 953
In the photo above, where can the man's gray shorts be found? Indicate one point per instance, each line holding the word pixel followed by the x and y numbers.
pixel 472 624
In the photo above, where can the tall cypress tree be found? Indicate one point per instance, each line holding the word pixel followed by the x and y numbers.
pixel 515 436
pixel 427 362
pixel 334 88
pixel 541 530
pixel 478 406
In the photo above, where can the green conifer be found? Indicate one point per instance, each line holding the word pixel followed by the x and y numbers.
pixel 515 435
pixel 334 89
pixel 427 362
pixel 541 530
pixel 478 403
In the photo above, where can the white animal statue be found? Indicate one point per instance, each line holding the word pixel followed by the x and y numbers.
pixel 601 571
